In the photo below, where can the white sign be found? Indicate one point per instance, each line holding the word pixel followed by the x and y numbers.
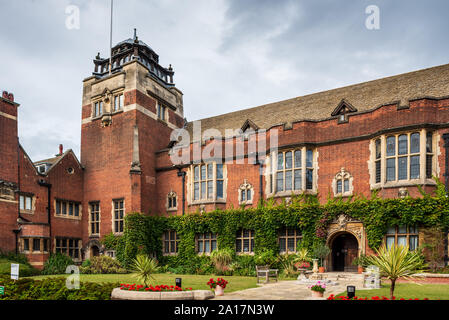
pixel 14 271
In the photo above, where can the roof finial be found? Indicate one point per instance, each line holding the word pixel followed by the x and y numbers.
pixel 135 33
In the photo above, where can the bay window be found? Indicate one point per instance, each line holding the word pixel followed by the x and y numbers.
pixel 402 158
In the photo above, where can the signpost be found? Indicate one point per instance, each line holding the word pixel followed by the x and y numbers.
pixel 14 271
pixel 2 291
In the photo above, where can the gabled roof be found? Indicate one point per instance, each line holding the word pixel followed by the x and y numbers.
pixel 431 82
pixel 55 160
pixel 249 124
pixel 343 107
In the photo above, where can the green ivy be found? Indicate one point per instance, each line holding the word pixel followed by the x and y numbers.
pixel 143 234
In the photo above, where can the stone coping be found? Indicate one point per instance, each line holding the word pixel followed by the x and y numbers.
pixel 118 294
pixel 433 275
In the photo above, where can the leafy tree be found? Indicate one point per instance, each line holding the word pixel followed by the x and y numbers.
pixel 320 251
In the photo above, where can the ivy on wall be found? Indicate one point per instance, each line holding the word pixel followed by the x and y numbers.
pixel 143 234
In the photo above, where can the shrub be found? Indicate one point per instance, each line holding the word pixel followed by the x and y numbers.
pixel 244 265
pixel 303 255
pixel 397 262
pixel 287 264
pixel 25 270
pixel 54 289
pixel 221 259
pixel 265 258
pixel 361 261
pixel 86 263
pixel 13 257
pixel 102 265
pixel 57 264
pixel 144 267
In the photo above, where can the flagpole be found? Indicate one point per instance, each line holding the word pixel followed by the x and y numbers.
pixel 110 39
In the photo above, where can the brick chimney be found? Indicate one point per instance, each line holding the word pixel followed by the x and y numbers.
pixel 61 149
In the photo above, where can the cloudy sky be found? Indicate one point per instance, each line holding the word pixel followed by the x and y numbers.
pixel 227 54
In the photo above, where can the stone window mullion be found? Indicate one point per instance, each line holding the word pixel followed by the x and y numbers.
pixel 304 167
pixel 422 155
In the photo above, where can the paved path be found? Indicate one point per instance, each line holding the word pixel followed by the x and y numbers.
pixel 283 290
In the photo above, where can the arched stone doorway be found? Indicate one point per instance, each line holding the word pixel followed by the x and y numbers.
pixel 94 251
pixel 344 249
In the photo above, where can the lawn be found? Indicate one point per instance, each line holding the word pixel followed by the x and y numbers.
pixel 5 268
pixel 407 291
pixel 196 282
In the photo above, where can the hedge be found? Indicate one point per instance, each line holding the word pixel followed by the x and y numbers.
pixel 143 233
pixel 54 289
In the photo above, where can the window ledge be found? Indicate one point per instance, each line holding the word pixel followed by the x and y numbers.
pixel 195 203
pixel 77 218
pixel 245 203
pixel 172 209
pixel 27 211
pixel 244 253
pixel 169 254
pixel 343 195
pixel 290 193
pixel 405 183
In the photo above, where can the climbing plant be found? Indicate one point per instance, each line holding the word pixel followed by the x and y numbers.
pixel 143 234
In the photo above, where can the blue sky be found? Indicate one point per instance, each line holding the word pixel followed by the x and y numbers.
pixel 227 54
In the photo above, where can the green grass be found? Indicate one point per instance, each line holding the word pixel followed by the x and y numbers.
pixel 196 282
pixel 25 270
pixel 407 291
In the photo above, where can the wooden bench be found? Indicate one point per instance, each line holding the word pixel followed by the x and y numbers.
pixel 264 272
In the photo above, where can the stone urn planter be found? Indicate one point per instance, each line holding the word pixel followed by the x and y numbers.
pixel 219 291
pixel 315 265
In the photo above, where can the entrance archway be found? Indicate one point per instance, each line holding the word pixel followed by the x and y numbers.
pixel 94 251
pixel 345 248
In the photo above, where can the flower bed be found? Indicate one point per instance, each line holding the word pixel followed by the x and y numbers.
pixel 333 297
pixel 159 292
pixel 158 288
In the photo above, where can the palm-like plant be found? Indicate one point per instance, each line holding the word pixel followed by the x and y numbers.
pixel 287 264
pixel 397 262
pixel 221 259
pixel 302 255
pixel 143 268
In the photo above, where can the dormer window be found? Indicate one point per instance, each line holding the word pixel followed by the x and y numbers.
pixel 342 110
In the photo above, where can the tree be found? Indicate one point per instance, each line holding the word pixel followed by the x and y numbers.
pixel 320 251
pixel 143 268
pixel 397 262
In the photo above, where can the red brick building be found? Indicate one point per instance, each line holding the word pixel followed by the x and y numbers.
pixel 387 135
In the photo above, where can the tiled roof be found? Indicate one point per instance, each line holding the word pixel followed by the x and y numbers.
pixel 50 160
pixel 431 82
